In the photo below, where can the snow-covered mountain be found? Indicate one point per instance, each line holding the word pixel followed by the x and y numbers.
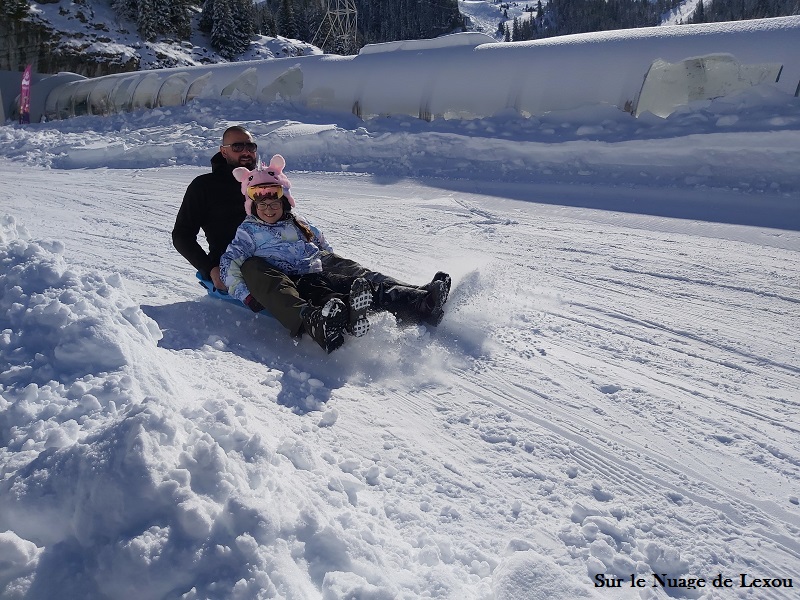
pixel 485 16
pixel 90 39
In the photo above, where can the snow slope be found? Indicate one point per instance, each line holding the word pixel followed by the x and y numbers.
pixel 485 16
pixel 612 394
pixel 680 14
pixel 93 27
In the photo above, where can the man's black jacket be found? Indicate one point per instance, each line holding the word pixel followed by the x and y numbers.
pixel 214 203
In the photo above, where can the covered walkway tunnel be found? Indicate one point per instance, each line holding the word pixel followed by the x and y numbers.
pixel 470 75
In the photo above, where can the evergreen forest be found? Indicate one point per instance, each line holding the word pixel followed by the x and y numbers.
pixel 231 23
pixel 564 17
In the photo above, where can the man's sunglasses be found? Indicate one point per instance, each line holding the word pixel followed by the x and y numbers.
pixel 241 146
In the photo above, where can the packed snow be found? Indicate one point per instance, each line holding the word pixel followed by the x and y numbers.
pixel 609 409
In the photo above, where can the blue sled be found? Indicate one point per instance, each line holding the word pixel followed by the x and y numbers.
pixel 221 295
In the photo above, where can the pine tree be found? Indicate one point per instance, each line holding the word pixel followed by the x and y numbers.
pixel 180 19
pixel 206 23
pixel 287 26
pixel 125 8
pixel 223 31
pixel 146 23
pixel 243 13
pixel 699 13
pixel 162 15
pixel 265 20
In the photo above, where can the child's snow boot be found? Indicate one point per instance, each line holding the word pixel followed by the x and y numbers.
pixel 443 277
pixel 433 306
pixel 360 300
pixel 327 324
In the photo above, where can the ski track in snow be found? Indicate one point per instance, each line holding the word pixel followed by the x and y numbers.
pixel 580 348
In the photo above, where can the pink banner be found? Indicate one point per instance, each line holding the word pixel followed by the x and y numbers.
pixel 25 97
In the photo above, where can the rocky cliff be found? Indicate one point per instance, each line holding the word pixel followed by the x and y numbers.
pixel 36 42
pixel 86 37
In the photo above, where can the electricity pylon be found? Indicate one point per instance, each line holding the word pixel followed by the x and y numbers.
pixel 339 26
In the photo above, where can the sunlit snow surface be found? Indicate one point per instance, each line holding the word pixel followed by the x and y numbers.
pixel 613 389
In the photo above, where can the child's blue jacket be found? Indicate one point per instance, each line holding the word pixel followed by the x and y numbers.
pixel 283 245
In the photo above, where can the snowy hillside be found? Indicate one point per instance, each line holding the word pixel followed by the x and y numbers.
pixel 90 24
pixel 611 398
pixel 93 27
pixel 681 14
pixel 485 16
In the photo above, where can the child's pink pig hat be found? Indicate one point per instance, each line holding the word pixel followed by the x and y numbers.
pixel 271 173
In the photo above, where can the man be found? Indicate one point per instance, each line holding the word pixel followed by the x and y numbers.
pixel 213 203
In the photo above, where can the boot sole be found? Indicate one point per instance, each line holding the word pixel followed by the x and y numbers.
pixel 360 301
pixel 333 326
pixel 437 314
pixel 447 281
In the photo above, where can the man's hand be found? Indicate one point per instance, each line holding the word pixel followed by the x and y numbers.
pixel 218 283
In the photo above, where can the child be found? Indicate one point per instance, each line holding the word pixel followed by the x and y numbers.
pixel 342 288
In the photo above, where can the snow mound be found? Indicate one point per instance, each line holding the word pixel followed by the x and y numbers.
pixel 117 484
pixel 85 320
pixel 539 576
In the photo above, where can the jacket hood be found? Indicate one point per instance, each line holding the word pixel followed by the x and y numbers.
pixel 219 164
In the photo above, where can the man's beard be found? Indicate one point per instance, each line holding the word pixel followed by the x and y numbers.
pixel 248 161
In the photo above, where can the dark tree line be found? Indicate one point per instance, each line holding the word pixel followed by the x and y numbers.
pixel 387 20
pixel 378 21
pixel 231 23
pixel 170 18
pixel 564 17
pixel 741 10
pixel 13 9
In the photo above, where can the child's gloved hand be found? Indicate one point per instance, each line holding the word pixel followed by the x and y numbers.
pixel 253 304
